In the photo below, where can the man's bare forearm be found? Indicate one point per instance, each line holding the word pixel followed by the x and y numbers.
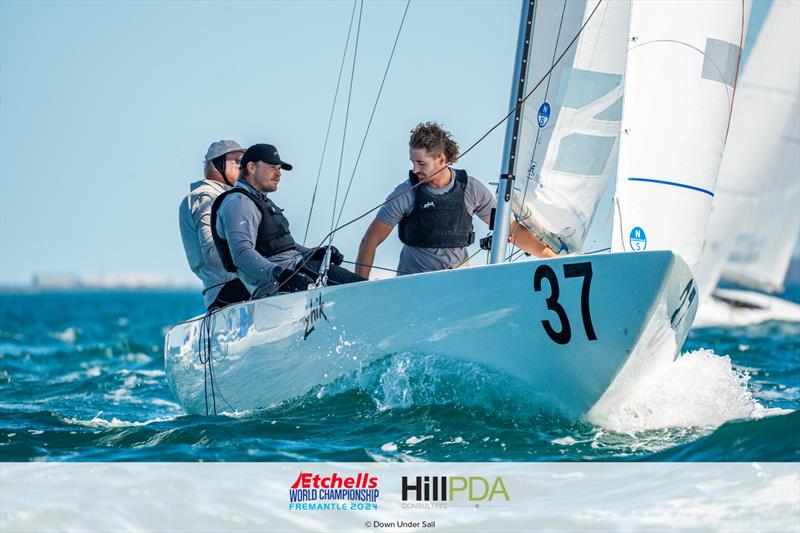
pixel 366 256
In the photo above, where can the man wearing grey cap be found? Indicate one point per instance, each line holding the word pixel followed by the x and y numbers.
pixel 221 169
pixel 252 234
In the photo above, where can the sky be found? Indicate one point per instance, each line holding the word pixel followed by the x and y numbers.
pixel 107 109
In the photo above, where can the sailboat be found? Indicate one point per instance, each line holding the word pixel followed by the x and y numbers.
pixel 756 219
pixel 577 331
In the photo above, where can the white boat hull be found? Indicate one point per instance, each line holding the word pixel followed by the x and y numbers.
pixel 736 308
pixel 275 349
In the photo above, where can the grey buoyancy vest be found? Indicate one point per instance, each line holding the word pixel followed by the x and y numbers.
pixel 273 232
pixel 438 220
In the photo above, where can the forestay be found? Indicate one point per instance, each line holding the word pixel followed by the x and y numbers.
pixel 570 124
pixel 755 219
pixel 679 83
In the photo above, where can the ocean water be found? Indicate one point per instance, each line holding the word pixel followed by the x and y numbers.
pixel 82 379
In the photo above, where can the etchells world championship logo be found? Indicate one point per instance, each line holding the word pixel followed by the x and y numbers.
pixel 332 492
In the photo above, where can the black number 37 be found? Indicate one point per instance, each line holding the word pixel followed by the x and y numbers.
pixel 574 270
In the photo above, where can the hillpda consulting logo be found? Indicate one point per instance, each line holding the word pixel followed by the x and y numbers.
pixel 332 492
pixel 437 492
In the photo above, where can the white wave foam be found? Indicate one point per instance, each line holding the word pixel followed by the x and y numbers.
pixel 412 440
pixel 410 379
pixel 98 422
pixel 699 389
pixel 68 335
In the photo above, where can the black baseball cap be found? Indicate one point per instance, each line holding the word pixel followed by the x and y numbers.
pixel 266 153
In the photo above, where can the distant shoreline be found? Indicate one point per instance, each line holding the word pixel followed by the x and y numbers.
pixel 28 289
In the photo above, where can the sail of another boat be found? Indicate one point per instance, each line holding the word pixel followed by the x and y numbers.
pixel 755 219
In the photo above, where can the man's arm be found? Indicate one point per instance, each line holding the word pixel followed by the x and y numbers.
pixel 521 237
pixel 376 233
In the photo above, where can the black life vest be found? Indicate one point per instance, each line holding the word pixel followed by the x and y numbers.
pixel 438 220
pixel 273 232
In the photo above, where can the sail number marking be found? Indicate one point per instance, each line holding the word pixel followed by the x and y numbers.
pixel 573 270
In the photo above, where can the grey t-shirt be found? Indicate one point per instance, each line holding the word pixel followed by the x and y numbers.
pixel 238 219
pixel 478 201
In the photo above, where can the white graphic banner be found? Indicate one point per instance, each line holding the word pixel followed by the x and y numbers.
pixel 399 496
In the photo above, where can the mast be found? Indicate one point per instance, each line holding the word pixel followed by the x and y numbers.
pixel 506 187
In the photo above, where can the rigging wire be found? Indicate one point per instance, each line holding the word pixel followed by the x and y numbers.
pixel 482 137
pixel 346 119
pixel 330 120
pixel 374 107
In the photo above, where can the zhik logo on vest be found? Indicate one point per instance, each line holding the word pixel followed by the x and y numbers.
pixel 426 205
pixel 315 492
pixel 435 492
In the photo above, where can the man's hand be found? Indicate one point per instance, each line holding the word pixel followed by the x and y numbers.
pixel 291 281
pixel 336 256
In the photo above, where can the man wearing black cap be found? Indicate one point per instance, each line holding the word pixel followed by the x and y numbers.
pixel 221 168
pixel 252 235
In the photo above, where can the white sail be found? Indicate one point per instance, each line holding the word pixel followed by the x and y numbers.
pixel 755 217
pixel 763 246
pixel 682 63
pixel 570 125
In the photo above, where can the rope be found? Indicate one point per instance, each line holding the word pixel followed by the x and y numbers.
pixel 467 260
pixel 512 259
pixel 374 107
pixel 204 356
pixel 371 266
pixel 330 121
pixel 736 76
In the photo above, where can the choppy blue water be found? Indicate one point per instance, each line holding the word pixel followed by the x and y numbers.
pixel 81 379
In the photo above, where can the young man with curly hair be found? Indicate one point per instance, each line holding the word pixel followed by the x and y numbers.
pixel 435 217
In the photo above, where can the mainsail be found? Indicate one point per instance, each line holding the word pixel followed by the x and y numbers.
pixel 755 218
pixel 681 71
pixel 570 124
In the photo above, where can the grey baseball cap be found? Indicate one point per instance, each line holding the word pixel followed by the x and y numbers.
pixel 219 148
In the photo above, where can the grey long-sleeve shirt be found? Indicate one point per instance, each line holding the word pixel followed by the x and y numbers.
pixel 194 219
pixel 238 219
